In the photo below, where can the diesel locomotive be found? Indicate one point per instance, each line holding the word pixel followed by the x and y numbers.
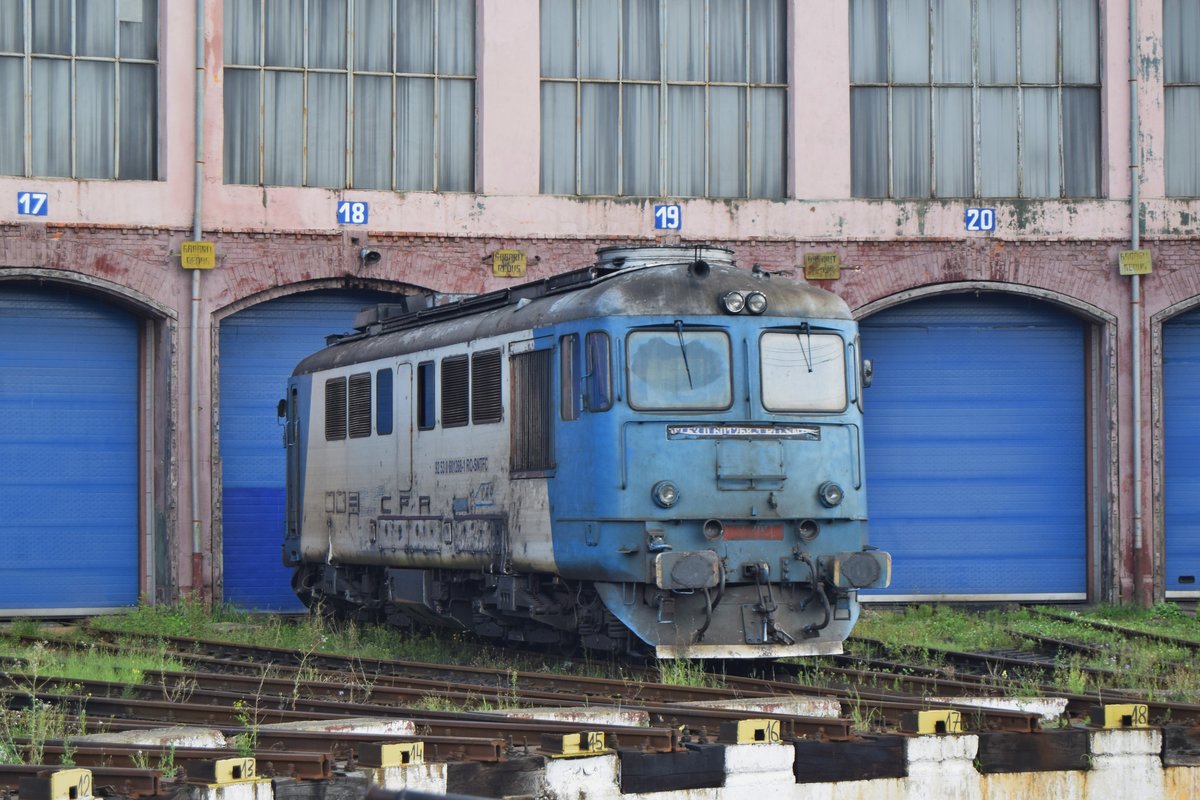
pixel 659 453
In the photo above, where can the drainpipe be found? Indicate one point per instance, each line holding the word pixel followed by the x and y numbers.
pixel 194 362
pixel 1135 306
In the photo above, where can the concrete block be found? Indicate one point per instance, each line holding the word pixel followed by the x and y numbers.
pixel 824 707
pixel 1127 742
pixel 429 778
pixel 1126 762
pixel 1050 708
pixel 181 737
pixel 943 766
pixel 760 770
pixel 590 778
pixel 379 725
pixel 593 715
pixel 258 789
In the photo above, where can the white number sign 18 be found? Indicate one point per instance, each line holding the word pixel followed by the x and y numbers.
pixel 352 213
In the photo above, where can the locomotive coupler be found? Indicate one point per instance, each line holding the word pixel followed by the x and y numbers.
pixel 766 606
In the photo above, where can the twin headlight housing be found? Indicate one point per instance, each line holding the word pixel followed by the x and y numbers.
pixel 735 302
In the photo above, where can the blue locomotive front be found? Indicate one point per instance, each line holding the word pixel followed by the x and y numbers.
pixel 662 451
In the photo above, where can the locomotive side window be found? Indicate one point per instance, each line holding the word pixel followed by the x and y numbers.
pixel 486 403
pixel 599 371
pixel 679 368
pixel 360 405
pixel 532 410
pixel 803 371
pixel 335 409
pixel 426 416
pixel 569 377
pixel 456 400
pixel 383 402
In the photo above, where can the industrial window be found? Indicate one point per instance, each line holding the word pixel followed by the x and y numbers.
pixel 456 400
pixel 486 402
pixel 335 409
pixel 383 402
pixel 360 405
pixel 368 94
pixel 664 98
pixel 1181 74
pixel 975 98
pixel 79 89
pixel 599 371
pixel 426 415
pixel 569 377
pixel 532 413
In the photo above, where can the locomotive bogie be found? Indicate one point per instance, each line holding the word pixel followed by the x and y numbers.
pixel 623 455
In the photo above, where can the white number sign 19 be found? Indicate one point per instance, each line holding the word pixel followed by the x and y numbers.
pixel 668 217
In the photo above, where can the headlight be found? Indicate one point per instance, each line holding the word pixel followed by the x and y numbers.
pixel 734 302
pixel 756 302
pixel 665 494
pixel 830 493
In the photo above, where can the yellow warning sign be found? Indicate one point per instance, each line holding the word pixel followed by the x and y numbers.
pixel 508 263
pixel 822 266
pixel 198 255
pixel 1134 262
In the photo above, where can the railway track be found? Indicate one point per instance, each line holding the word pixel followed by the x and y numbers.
pixel 266 700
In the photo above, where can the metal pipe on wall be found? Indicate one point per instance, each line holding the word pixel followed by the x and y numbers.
pixel 1135 293
pixel 194 360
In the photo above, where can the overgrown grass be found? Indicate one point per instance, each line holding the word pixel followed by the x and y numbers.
pixel 1154 670
pixel 913 634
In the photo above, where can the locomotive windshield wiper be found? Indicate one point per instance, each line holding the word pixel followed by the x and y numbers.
pixel 807 355
pixel 683 350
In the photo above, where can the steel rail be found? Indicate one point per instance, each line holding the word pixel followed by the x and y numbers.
pixel 515 730
pixel 306 765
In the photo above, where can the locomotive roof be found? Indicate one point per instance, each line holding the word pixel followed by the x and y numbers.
pixel 685 288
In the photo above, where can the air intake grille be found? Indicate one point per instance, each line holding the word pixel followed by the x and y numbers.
pixel 532 446
pixel 360 405
pixel 455 392
pixel 335 408
pixel 486 403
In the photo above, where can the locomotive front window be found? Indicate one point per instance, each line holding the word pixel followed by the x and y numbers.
pixel 679 368
pixel 803 371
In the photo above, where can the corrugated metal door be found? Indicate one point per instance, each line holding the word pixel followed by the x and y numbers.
pixel 976 449
pixel 1181 452
pixel 259 348
pixel 68 452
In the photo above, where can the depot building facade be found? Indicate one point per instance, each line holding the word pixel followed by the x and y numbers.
pixel 197 197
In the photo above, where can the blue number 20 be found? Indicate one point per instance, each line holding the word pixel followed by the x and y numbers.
pixel 981 219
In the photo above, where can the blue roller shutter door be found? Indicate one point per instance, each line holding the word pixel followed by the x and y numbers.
pixel 1181 452
pixel 976 448
pixel 259 348
pixel 68 452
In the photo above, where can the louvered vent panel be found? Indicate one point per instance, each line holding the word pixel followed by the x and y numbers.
pixel 486 403
pixel 455 392
pixel 360 405
pixel 532 444
pixel 335 408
